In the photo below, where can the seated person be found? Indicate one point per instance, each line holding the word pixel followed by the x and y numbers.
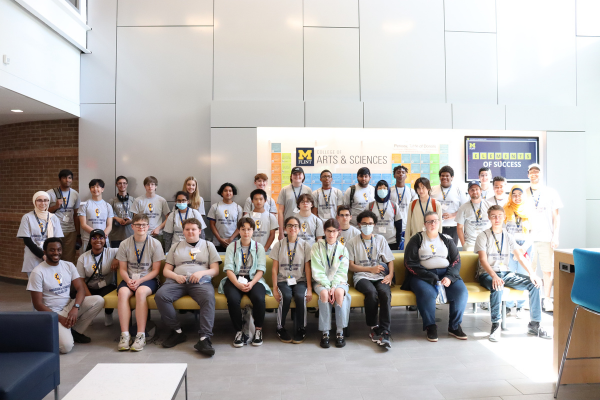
pixel 291 278
pixel 245 264
pixel 494 247
pixel 173 231
pixel 139 263
pixel 265 221
pixel 191 264
pixel 431 257
pixel 50 283
pixel 311 226
pixel 329 265
pixel 97 267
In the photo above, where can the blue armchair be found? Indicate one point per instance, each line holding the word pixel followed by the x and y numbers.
pixel 29 358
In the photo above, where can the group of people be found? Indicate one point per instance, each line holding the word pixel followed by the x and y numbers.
pixel 321 236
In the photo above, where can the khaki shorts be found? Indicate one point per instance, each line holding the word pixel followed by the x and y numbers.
pixel 543 251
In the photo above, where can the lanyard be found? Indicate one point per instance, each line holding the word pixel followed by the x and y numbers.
pixel 426 206
pixel 65 200
pixel 445 194
pixel 245 257
pixel 332 256
pixel 296 195
pixel 398 195
pixel 477 213
pixel 98 265
pixel 42 230
pixel 327 198
pixel 382 213
pixel 186 213
pixel 291 254
pixel 534 200
pixel 501 244
pixel 126 207
pixel 518 222
pixel 368 251
pixel 141 254
pixel 496 200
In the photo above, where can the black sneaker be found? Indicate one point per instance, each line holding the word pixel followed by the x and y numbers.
pixel 257 341
pixel 411 308
pixel 174 339
pixel 240 339
pixel 432 335
pixel 284 336
pixel 375 334
pixel 205 347
pixel 534 328
pixel 385 340
pixel 339 340
pixel 495 332
pixel 457 333
pixel 299 336
pixel 79 337
pixel 325 340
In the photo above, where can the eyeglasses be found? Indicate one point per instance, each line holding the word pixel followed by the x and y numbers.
pixel 306 202
pixel 140 225
pixel 290 226
pixel 184 201
pixel 432 222
pixel 345 215
pixel 97 238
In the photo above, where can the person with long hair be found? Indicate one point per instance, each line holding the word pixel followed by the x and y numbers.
pixel 418 207
pixel 190 186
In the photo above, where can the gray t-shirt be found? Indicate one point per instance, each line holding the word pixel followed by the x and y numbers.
pixel 474 222
pixel 247 261
pixel 154 207
pixel 151 253
pixel 187 258
pixel 175 219
pixel 327 202
pixel 288 197
pixel 433 253
pixel 121 209
pixel 449 199
pixel 226 217
pixel 498 253
pixel 403 198
pixel 380 253
pixel 347 234
pixel 295 269
pixel 96 215
pixel 311 227
pixel 269 206
pixel 30 227
pixel 86 267
pixel 493 200
pixel 265 222
pixel 387 213
pixel 54 281
pixel 66 213
pixel 362 198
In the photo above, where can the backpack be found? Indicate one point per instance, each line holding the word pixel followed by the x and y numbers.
pixel 412 206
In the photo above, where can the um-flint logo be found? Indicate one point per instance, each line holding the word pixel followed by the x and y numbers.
pixel 305 156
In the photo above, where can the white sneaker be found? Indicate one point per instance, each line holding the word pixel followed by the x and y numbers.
pixel 139 343
pixel 520 313
pixel 124 343
pixel 108 319
pixel 548 304
pixel 495 332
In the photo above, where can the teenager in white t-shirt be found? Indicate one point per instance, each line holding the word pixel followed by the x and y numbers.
pixel 64 202
pixel 265 222
pixel 471 218
pixel 260 181
pixel 450 196
pixel 155 207
pixel 223 217
pixel 347 231
pixel 360 195
pixel 287 201
pixel 402 194
pixel 389 219
pixel 498 197
pixel 311 226
pixel 485 176
pixel 95 213
pixel 327 198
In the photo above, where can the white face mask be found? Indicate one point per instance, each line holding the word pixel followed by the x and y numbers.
pixel 366 229
pixel 382 193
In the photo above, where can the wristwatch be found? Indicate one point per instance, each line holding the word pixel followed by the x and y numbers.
pixel 77 306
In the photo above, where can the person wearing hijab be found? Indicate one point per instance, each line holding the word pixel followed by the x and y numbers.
pixel 37 226
pixel 389 221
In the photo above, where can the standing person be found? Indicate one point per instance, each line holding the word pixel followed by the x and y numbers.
pixel 420 206
pixel 64 203
pixel 245 264
pixel 329 267
pixel 50 283
pixel 37 226
pixel 372 262
pixel 494 245
pixel 471 218
pixel 154 207
pixel 431 258
pixel 173 232
pixel 190 186
pixel 97 267
pixel 287 202
pixel 359 196
pixel 260 181
pixel 265 222
pixel 311 226
pixel 545 223
pixel 223 217
pixel 190 266
pixel 326 198
pixel 347 231
pixel 402 195
pixel 389 222
pixel 292 278
pixel 450 197
pixel 95 213
pixel 121 204
pixel 485 175
pixel 498 197
pixel 139 258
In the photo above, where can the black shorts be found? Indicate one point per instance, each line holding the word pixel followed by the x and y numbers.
pixel 152 284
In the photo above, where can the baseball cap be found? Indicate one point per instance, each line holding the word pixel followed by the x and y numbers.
pixel 98 232
pixel 534 165
pixel 474 183
pixel 297 170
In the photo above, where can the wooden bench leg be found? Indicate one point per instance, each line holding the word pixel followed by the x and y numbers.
pixel 503 323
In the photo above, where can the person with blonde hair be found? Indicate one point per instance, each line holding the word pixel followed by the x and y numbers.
pixel 190 186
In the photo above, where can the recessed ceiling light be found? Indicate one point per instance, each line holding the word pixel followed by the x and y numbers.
pixel 16 110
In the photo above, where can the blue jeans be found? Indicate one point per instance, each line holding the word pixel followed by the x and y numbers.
pixel 514 281
pixel 514 266
pixel 426 294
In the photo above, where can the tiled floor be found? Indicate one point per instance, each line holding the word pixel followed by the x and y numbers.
pixel 518 367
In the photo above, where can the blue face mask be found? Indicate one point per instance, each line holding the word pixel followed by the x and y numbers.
pixel 382 193
pixel 366 229
pixel 181 206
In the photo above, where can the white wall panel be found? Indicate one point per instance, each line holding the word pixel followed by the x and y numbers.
pixel 333 13
pixel 471 68
pixel 251 114
pixel 408 115
pixel 163 105
pixel 98 69
pixel 478 116
pixel 588 12
pixel 588 66
pixel 334 114
pixel 402 50
pixel 165 12
pixel 331 64
pixel 233 159
pixel 258 50
pixel 536 52
pixel 593 216
pixel 470 15
pixel 97 148
pixel 592 144
pixel 544 118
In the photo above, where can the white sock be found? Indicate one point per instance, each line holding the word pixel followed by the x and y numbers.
pixel 203 337
pixel 141 333
pixel 125 333
pixel 376 326
pixel 178 330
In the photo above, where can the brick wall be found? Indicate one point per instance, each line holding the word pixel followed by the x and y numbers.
pixel 31 155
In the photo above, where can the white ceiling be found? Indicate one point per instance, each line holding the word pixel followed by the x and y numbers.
pixel 33 110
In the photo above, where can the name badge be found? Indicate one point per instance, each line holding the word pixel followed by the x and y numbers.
pixel 135 277
pixel 101 284
pixel 382 229
pixel 326 215
pixel 195 250
pixel 445 206
pixel 296 210
pixel 66 218
pixel 291 281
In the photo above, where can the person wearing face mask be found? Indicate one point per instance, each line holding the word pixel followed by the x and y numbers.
pixel 418 208
pixel 359 196
pixel 471 218
pixel 36 226
pixel 389 221
pixel 121 205
pixel 260 181
pixel 223 217
pixel 311 226
pixel 287 202
pixel 402 195
pixel 372 262
pixel 449 197
pixel 190 186
pixel 173 231
pixel 327 198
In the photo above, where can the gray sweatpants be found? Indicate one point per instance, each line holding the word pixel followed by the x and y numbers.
pixel 342 314
pixel 89 308
pixel 202 293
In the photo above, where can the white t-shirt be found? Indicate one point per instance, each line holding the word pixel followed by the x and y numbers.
pixel 403 198
pixel 544 201
pixel 96 215
pixel 265 222
pixel 498 260
pixel 86 267
pixel 226 217
pixel 327 202
pixel 187 258
pixel 492 200
pixel 488 192
pixel 473 224
pixel 30 227
pixel 385 224
pixel 174 220
pixel 154 207
pixel 66 213
pixel 200 207
pixel 519 233
pixel 151 253
pixel 362 198
pixel 433 253
pixel 54 281
pixel 381 253
pixel 269 206
pixel 311 227
pixel 300 257
pixel 288 197
pixel 347 234
pixel 450 200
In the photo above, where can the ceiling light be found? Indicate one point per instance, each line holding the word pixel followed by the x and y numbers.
pixel 16 111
